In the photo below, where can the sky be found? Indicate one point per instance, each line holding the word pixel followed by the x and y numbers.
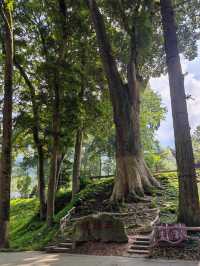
pixel 165 133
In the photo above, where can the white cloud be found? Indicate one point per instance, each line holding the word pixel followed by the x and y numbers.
pixel 165 132
pixel 192 86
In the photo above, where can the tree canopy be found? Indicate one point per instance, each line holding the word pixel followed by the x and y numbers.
pixel 76 99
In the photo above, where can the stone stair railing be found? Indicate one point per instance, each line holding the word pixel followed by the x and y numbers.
pixel 65 220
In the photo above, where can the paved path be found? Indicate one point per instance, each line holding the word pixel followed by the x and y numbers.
pixel 42 259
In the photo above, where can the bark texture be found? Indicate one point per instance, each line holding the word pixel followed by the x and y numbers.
pixel 133 177
pixel 54 154
pixel 37 140
pixel 6 157
pixel 56 119
pixel 60 160
pixel 189 212
pixel 77 163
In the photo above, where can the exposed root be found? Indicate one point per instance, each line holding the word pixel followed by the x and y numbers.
pixel 133 180
pixel 151 178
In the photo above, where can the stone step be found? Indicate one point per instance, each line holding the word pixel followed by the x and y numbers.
pixel 140 247
pixel 138 251
pixel 56 249
pixel 65 245
pixel 68 240
pixel 143 238
pixel 138 256
pixel 141 242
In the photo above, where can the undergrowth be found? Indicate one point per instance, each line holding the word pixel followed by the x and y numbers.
pixel 167 199
pixel 29 233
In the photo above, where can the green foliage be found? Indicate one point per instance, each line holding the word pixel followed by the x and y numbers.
pixel 196 143
pixel 56 50
pixel 42 35
pixel 144 33
pixel 159 159
pixel 152 113
pixel 92 188
pixel 23 185
pixel 99 147
pixel 168 201
pixel 9 4
pixel 84 182
pixel 29 233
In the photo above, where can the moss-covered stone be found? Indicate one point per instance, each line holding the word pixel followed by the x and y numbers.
pixel 101 227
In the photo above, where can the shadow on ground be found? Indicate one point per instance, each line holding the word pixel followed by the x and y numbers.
pixel 43 259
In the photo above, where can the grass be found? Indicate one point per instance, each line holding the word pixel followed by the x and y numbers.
pixel 27 232
pixel 167 199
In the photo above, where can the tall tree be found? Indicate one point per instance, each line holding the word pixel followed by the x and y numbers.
pixel 55 150
pixel 6 156
pixel 189 211
pixel 133 177
pixel 57 92
pixel 37 139
pixel 77 162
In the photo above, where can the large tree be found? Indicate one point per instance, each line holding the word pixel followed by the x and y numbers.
pixel 189 211
pixel 6 156
pixel 77 162
pixel 37 139
pixel 133 177
pixel 54 82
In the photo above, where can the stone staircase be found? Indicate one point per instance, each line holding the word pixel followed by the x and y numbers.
pixel 140 246
pixel 65 246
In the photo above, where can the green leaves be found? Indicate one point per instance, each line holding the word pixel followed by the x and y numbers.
pixel 152 113
pixel 196 143
pixel 9 4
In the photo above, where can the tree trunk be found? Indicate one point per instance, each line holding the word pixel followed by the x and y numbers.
pixel 100 164
pixel 77 163
pixel 6 159
pixel 54 154
pixel 133 177
pixel 41 182
pixel 189 212
pixel 37 140
pixel 58 93
pixel 59 170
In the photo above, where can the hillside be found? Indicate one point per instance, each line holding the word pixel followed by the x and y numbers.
pixel 28 233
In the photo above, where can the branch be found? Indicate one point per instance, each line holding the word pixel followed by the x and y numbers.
pixel 3 13
pixel 109 63
pixel 132 65
pixel 45 50
pixel 36 126
pixel 123 16
pixel 25 76
pixel 63 24
pixel 175 6
pixel 181 4
pixel 4 16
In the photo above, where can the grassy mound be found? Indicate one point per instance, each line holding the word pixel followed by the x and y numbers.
pixel 167 200
pixel 29 233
